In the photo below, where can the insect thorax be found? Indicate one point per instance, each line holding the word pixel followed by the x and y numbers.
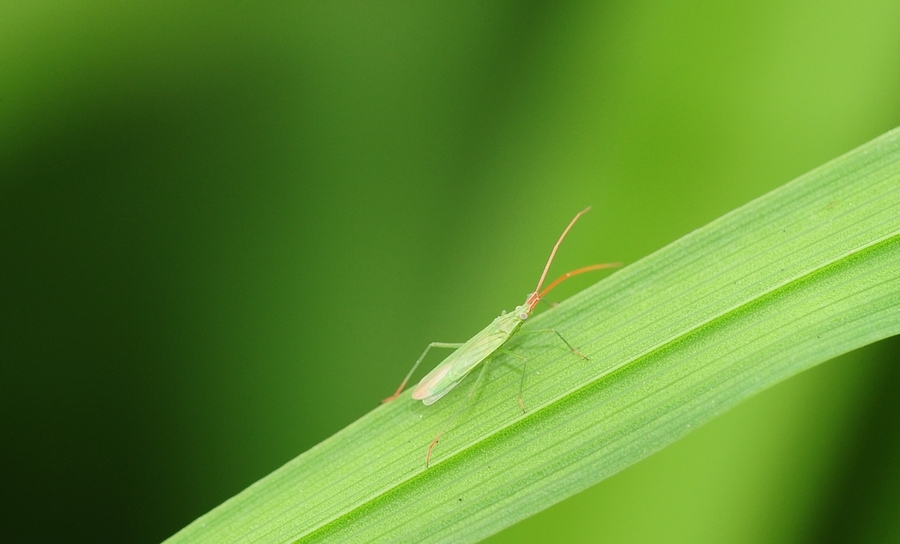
pixel 509 322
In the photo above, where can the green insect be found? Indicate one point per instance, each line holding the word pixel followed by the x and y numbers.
pixel 452 370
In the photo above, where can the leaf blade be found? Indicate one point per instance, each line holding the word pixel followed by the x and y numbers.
pixel 798 276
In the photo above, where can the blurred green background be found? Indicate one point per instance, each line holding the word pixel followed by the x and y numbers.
pixel 226 231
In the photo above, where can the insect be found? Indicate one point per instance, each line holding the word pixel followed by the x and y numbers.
pixel 452 370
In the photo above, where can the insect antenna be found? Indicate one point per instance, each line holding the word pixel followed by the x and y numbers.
pixel 555 247
pixel 538 296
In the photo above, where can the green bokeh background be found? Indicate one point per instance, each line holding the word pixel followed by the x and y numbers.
pixel 227 229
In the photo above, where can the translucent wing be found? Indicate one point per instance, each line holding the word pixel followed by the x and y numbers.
pixel 458 364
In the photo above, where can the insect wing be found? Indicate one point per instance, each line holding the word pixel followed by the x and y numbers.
pixel 457 365
pixel 428 401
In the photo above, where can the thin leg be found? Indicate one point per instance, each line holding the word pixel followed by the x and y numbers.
pixel 522 386
pixel 448 345
pixel 457 412
pixel 556 332
pixel 522 380
pixel 525 361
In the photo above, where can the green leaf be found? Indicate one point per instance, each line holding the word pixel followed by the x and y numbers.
pixel 792 279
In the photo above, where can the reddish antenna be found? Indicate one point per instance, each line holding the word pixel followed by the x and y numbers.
pixel 553 253
pixel 537 295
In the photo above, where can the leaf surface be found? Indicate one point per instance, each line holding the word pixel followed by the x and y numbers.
pixel 792 279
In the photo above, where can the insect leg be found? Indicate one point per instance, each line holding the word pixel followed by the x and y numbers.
pixel 556 332
pixel 522 379
pixel 464 405
pixel 448 345
pixel 525 361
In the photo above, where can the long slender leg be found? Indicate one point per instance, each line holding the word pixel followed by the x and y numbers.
pixel 522 385
pixel 457 412
pixel 522 379
pixel 448 345
pixel 525 361
pixel 556 332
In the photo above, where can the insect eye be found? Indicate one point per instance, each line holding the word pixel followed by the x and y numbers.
pixel 523 316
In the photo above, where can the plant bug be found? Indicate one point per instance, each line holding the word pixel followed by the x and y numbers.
pixel 452 370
